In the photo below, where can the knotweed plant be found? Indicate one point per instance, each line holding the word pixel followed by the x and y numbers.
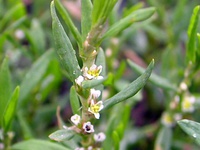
pixel 89 76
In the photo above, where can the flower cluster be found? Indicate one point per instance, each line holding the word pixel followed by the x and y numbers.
pixel 183 102
pixel 87 127
pixel 95 106
pixel 92 107
pixel 169 119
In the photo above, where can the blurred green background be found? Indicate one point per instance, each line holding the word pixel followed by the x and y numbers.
pixel 26 39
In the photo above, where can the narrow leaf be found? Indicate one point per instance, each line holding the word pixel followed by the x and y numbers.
pixel 155 79
pixel 192 31
pixel 16 12
pixel 36 37
pixel 92 83
pixel 62 135
pixel 136 16
pixel 64 47
pixel 131 89
pixel 101 10
pixel 101 60
pixel 5 87
pixel 163 141
pixel 34 75
pixel 64 14
pixel 74 101
pixel 24 126
pixel 116 139
pixel 37 145
pixel 192 128
pixel 86 17
pixel 11 109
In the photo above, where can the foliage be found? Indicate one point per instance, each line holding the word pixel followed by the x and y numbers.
pixel 75 73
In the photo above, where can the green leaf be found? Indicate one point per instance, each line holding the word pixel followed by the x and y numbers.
pixel 64 14
pixel 192 128
pixel 101 60
pixel 101 10
pixel 62 135
pixel 92 83
pixel 14 13
pixel 16 24
pixel 86 17
pixel 131 89
pixel 192 31
pixel 116 139
pixel 163 141
pixel 24 126
pixel 155 79
pixel 135 7
pixel 36 37
pixel 74 101
pixel 34 75
pixel 64 47
pixel 38 145
pixel 5 87
pixel 136 16
pixel 11 109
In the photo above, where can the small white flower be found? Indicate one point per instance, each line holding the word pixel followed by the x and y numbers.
pixel 88 127
pixel 183 86
pixel 79 80
pixel 167 119
pixel 96 108
pixel 93 72
pixel 94 93
pixel 76 119
pixel 79 148
pixel 188 104
pixel 100 137
pixel 2 146
pixel 177 116
pixel 19 34
pixel 90 148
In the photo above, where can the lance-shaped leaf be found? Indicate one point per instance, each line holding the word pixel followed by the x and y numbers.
pixel 64 47
pixel 5 87
pixel 27 133
pixel 192 31
pixel 68 21
pixel 62 135
pixel 14 13
pixel 10 109
pixel 136 16
pixel 34 144
pixel 101 60
pixel 74 101
pixel 92 83
pixel 86 17
pixel 163 141
pixel 131 89
pixel 155 79
pixel 34 75
pixel 101 10
pixel 192 128
pixel 36 37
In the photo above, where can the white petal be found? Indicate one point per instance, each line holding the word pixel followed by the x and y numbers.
pixel 97 115
pixel 99 77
